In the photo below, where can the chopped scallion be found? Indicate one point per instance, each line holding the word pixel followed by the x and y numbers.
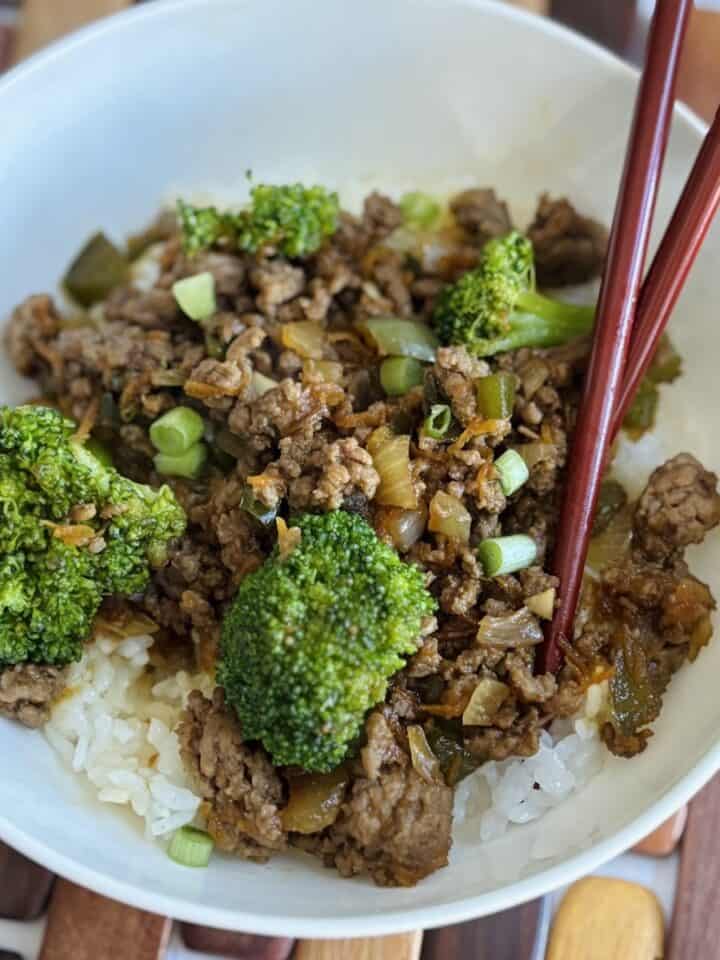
pixel 191 847
pixel 196 296
pixel 496 396
pixel 501 555
pixel 400 374
pixel 188 464
pixel 437 423
pixel 512 471
pixel 176 431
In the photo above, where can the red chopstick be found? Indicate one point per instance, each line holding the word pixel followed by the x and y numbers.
pixel 616 312
pixel 675 256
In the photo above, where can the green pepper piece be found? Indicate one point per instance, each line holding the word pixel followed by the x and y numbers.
pixel 97 269
pixel 496 396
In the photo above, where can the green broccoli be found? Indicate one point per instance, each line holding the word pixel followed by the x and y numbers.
pixel 293 218
pixel 495 307
pixel 72 530
pixel 310 640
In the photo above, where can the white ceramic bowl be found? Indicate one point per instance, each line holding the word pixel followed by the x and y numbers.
pixel 100 129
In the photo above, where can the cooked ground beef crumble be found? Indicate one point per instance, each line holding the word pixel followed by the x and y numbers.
pixel 303 445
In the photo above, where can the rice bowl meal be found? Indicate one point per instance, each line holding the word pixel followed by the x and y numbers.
pixel 277 525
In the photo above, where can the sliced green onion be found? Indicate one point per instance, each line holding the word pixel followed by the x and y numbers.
pixel 393 336
pixel 496 396
pixel 400 374
pixel 419 209
pixel 196 296
pixel 500 555
pixel 437 423
pixel 191 847
pixel 187 464
pixel 512 471
pixel 176 431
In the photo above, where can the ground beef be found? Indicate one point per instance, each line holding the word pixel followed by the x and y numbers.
pixel 569 248
pixel 276 283
pixel 678 507
pixel 31 329
pixel 242 790
pixel 27 692
pixel 520 739
pixel 456 372
pixel 481 214
pixel 393 825
pixel 332 474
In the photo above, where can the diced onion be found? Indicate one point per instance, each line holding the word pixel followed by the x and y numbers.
pixel 424 761
pixel 542 604
pixel 391 458
pixel 260 384
pixel 449 517
pixel 325 370
pixel 304 337
pixel 404 527
pixel 518 629
pixel 487 698
pixel 533 453
pixel 314 801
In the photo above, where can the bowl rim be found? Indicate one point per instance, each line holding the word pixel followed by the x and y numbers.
pixel 393 921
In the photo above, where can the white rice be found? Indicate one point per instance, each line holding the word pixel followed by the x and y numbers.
pixel 117 731
pixel 113 728
pixel 516 791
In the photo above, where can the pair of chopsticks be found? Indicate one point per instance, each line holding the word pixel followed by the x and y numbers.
pixel 630 320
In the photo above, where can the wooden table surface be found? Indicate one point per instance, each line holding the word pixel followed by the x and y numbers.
pixel 83 926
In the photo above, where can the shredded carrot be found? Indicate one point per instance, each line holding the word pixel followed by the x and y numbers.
pixel 71 534
pixel 476 428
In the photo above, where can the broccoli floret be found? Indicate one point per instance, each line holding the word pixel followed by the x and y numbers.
pixel 57 562
pixel 495 307
pixel 293 218
pixel 310 641
pixel 203 227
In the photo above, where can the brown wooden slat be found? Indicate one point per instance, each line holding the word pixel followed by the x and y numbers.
pixel 238 946
pixel 85 926
pixel 403 946
pixel 695 929
pixel 42 21
pixel 665 839
pixel 609 22
pixel 24 886
pixel 509 935
pixel 602 918
pixel 6 47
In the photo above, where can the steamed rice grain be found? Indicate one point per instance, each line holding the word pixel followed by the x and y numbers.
pixel 114 729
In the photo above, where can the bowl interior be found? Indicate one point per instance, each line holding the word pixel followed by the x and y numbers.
pixel 391 93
